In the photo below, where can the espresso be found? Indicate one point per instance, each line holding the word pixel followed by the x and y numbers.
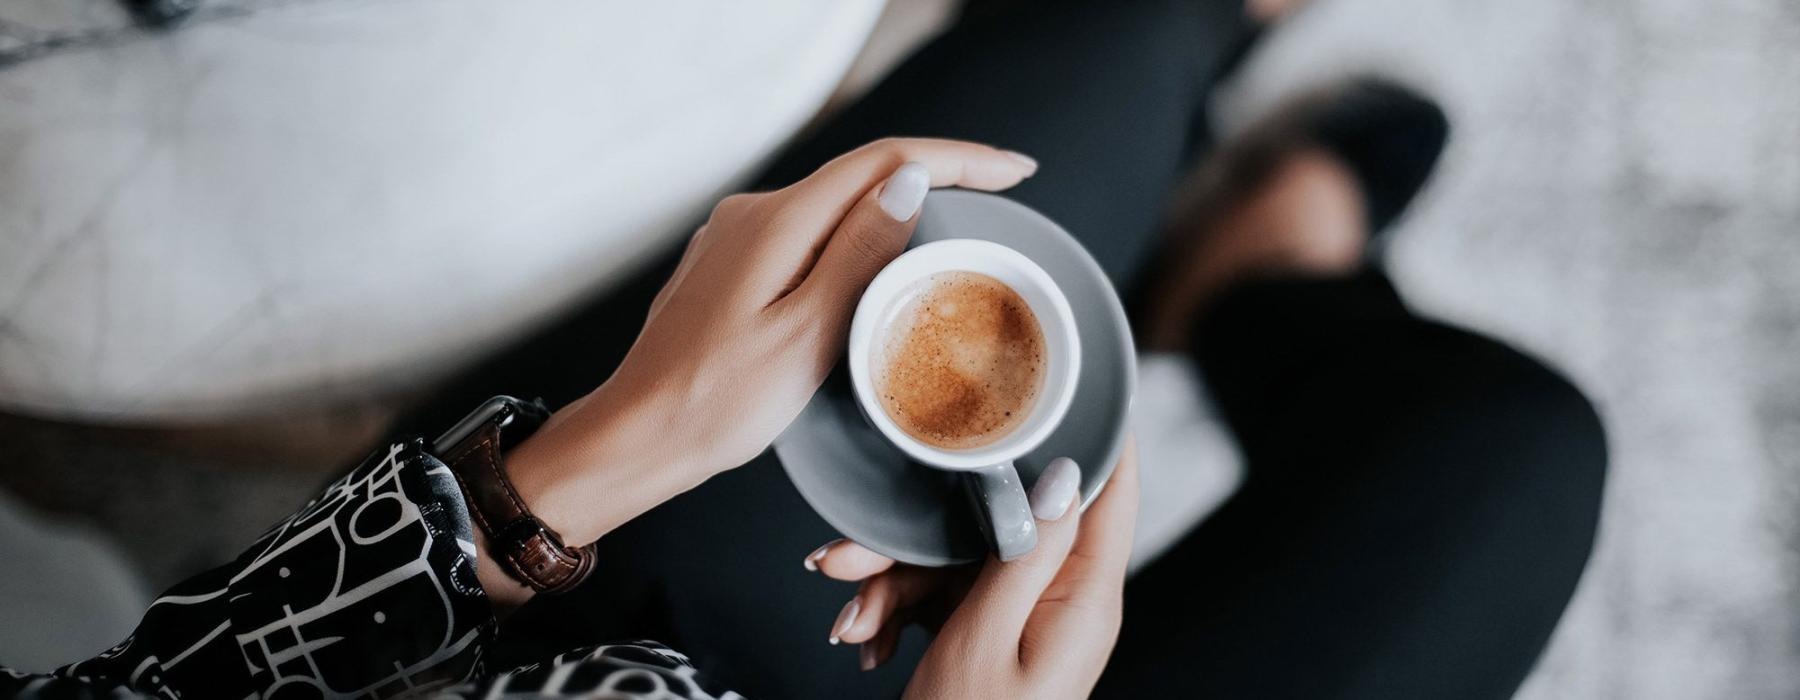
pixel 962 363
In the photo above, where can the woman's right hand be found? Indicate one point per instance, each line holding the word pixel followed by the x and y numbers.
pixel 753 319
pixel 1041 626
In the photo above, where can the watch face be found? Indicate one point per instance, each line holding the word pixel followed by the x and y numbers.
pixel 504 408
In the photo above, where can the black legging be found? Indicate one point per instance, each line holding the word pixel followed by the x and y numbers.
pixel 1419 504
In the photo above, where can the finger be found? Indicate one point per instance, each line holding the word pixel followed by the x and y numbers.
pixel 1078 616
pixel 845 560
pixel 1004 594
pixel 877 651
pixel 1104 544
pixel 811 211
pixel 874 603
pixel 879 600
pixel 950 164
pixel 871 236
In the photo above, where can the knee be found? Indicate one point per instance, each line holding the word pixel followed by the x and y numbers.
pixel 1539 443
pixel 1548 419
pixel 1570 424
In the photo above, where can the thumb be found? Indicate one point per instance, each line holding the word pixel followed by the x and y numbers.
pixel 1005 593
pixel 870 236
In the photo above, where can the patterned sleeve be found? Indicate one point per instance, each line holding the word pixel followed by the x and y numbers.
pixel 369 590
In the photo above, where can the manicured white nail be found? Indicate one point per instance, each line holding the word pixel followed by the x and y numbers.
pixel 845 619
pixel 904 191
pixel 867 652
pixel 812 560
pixel 1055 489
pixel 1023 159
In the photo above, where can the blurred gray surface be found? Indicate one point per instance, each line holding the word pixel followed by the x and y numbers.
pixel 67 592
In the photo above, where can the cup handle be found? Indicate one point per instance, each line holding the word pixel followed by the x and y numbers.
pixel 1002 510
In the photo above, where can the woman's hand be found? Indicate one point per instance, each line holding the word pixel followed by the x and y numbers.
pixel 1038 627
pixel 745 331
pixel 758 311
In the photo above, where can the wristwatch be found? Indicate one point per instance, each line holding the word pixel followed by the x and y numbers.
pixel 475 450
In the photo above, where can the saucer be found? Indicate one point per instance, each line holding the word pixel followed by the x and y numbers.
pixel 872 493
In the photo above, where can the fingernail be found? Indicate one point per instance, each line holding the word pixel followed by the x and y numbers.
pixel 845 619
pixel 1023 159
pixel 904 191
pixel 812 560
pixel 867 652
pixel 1055 489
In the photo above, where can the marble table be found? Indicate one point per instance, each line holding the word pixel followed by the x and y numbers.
pixel 285 203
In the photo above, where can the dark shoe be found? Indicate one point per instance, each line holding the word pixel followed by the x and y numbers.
pixel 1387 135
pixel 1282 199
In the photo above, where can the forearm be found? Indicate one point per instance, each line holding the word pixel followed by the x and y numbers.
pixel 595 465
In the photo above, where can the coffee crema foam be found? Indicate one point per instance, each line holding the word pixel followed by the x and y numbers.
pixel 962 363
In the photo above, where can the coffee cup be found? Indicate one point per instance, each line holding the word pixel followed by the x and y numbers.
pixel 987 445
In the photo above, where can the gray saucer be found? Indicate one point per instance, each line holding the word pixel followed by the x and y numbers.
pixel 873 494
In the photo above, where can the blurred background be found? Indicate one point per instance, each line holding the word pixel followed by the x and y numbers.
pixel 232 250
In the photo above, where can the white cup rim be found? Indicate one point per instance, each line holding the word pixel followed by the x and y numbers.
pixel 1055 318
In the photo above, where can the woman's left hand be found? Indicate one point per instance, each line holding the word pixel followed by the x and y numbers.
pixel 1042 626
pixel 745 331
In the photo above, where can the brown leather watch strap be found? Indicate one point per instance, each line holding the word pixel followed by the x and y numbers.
pixel 527 549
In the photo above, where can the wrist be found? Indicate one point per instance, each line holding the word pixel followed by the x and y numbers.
pixel 599 462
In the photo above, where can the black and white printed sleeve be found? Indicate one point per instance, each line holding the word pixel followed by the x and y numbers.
pixel 369 591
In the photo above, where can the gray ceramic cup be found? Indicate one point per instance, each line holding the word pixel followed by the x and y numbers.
pixel 864 487
pixel 991 478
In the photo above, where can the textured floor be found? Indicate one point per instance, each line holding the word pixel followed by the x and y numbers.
pixel 1623 198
